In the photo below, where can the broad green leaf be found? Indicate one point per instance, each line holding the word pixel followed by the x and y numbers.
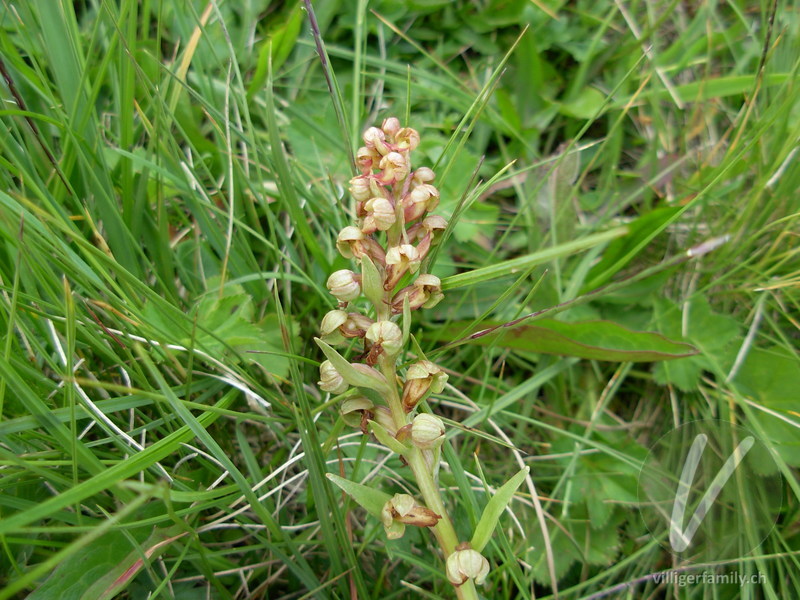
pixel 716 337
pixel 103 568
pixel 365 378
pixel 494 508
pixel 596 340
pixel 226 323
pixel 369 499
pixel 122 574
pixel 770 376
pixel 585 106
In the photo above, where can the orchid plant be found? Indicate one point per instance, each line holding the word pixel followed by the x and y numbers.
pixel 380 393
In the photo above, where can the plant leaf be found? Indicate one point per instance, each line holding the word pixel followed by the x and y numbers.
pixel 103 568
pixel 371 282
pixel 350 374
pixel 624 249
pixel 597 340
pixel 369 499
pixel 387 439
pixel 494 508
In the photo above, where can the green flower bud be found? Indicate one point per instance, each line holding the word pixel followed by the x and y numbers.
pixel 467 564
pixel 344 285
pixel 330 380
pixel 329 328
pixel 356 411
pixel 427 431
pixel 387 335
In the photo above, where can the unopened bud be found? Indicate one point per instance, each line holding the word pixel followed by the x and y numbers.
pixel 360 188
pixel 353 410
pixel 344 285
pixel 467 564
pixel 427 431
pixel 387 335
pixel 329 328
pixel 390 127
pixel 423 175
pixel 330 380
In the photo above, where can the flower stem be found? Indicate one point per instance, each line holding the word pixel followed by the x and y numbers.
pixel 443 531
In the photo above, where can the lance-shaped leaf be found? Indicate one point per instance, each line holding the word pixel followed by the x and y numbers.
pixel 597 340
pixel 371 282
pixel 358 375
pixel 368 498
pixel 495 507
pixel 387 439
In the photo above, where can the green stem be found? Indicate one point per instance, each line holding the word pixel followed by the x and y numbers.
pixel 443 531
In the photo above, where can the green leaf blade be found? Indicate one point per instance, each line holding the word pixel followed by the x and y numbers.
pixel 595 340
pixel 369 499
pixel 494 508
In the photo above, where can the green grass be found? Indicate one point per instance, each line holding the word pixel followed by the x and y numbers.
pixel 172 179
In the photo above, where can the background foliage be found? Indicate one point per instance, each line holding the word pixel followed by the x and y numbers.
pixel 172 185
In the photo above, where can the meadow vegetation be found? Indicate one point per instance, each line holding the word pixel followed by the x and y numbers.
pixel 173 178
